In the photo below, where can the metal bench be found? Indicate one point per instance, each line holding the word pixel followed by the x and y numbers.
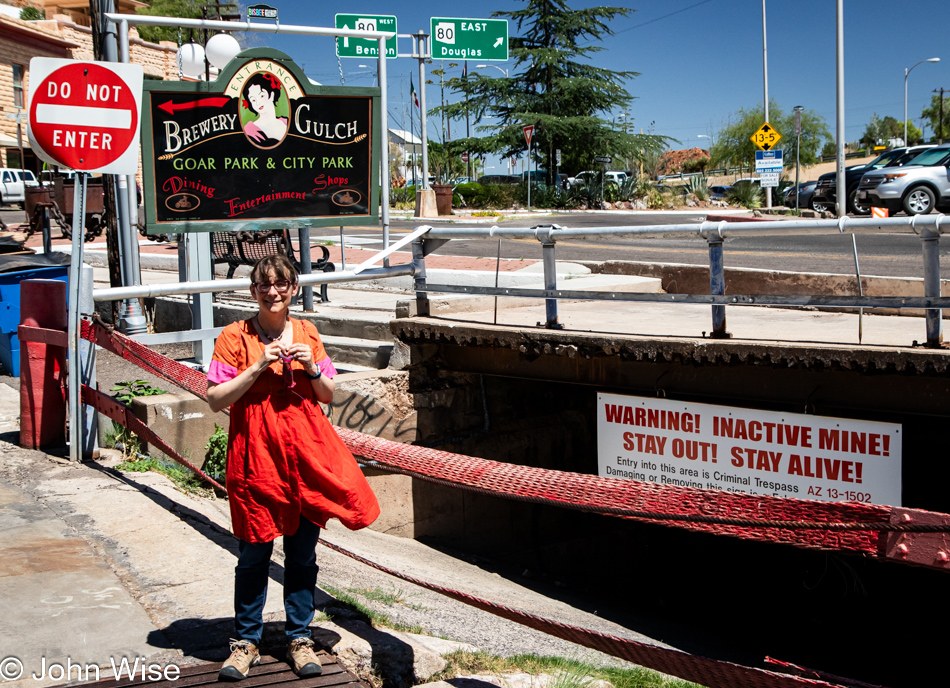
pixel 246 248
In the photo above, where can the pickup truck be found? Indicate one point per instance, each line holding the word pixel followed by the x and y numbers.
pixel 13 185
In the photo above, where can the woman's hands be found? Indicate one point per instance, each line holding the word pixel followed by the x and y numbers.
pixel 322 386
pixel 271 353
pixel 304 354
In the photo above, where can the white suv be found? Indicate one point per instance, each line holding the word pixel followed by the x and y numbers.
pixel 590 176
pixel 13 185
pixel 916 188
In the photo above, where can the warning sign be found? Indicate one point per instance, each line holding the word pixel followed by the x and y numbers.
pixel 750 451
pixel 765 137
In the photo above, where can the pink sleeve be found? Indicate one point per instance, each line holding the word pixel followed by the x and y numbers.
pixel 326 367
pixel 219 372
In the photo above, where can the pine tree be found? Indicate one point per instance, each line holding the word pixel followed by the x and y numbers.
pixel 553 87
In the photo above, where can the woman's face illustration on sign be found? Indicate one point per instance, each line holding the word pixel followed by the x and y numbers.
pixel 265 110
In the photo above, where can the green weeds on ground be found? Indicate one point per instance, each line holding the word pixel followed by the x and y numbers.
pixel 567 673
pixel 183 478
pixel 348 606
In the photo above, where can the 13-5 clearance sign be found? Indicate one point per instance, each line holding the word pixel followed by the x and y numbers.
pixel 259 148
pixel 749 451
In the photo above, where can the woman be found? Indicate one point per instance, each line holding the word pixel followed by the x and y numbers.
pixel 261 94
pixel 288 472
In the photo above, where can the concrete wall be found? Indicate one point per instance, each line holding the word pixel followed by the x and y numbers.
pixel 183 420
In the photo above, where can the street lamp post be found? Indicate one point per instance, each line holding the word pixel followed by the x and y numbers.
pixel 906 73
pixel 503 71
pixel 704 136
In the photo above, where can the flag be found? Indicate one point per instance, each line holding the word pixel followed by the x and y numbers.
pixel 412 92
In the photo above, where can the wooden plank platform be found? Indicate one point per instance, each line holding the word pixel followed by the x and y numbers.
pixel 271 671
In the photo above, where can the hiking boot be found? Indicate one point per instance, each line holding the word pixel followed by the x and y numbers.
pixel 302 659
pixel 244 655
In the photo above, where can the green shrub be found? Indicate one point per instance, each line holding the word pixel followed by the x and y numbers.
pixel 612 192
pixel 472 193
pixel 216 454
pixel 500 196
pixel 745 194
pixel 697 187
pixel 120 435
pixel 401 196
pixel 31 13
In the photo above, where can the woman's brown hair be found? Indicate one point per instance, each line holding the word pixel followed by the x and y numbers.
pixel 279 264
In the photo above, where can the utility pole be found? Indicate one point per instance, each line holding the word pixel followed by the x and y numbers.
pixel 765 83
pixel 939 131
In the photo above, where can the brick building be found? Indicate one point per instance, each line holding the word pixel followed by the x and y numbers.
pixel 65 33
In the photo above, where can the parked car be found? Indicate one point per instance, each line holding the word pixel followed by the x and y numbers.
pixel 593 177
pixel 805 196
pixel 13 183
pixel 499 179
pixel 717 193
pixel 825 194
pixel 916 187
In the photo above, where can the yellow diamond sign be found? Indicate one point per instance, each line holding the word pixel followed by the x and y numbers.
pixel 766 137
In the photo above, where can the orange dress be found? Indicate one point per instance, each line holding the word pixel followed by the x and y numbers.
pixel 284 458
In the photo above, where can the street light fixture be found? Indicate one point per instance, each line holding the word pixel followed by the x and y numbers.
pixel 906 72
pixel 503 71
pixel 704 136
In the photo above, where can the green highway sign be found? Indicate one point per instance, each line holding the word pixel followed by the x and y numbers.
pixel 469 39
pixel 347 46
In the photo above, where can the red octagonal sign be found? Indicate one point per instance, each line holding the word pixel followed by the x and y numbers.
pixel 85 115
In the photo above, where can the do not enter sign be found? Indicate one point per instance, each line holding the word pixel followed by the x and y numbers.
pixel 85 115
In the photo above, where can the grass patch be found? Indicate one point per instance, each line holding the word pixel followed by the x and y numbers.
pixel 183 478
pixel 349 606
pixel 567 673
pixel 387 597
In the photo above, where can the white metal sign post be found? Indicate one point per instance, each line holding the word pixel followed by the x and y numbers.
pixel 83 116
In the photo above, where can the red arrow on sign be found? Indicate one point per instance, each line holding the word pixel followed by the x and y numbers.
pixel 171 107
pixel 528 133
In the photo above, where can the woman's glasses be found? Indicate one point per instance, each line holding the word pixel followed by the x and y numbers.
pixel 282 286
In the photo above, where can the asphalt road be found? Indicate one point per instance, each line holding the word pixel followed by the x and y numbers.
pixel 895 255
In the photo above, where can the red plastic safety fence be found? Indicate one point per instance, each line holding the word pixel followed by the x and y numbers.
pixel 808 524
pixel 717 512
pixel 135 352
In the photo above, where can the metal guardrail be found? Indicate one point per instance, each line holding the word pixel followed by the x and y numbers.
pixel 927 227
pixel 426 240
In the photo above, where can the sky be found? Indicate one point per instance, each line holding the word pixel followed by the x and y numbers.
pixel 699 60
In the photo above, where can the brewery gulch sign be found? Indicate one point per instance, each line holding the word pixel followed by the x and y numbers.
pixel 260 148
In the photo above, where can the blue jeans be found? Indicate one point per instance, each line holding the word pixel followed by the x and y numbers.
pixel 300 581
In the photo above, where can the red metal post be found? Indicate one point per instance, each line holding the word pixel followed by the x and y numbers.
pixel 42 365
